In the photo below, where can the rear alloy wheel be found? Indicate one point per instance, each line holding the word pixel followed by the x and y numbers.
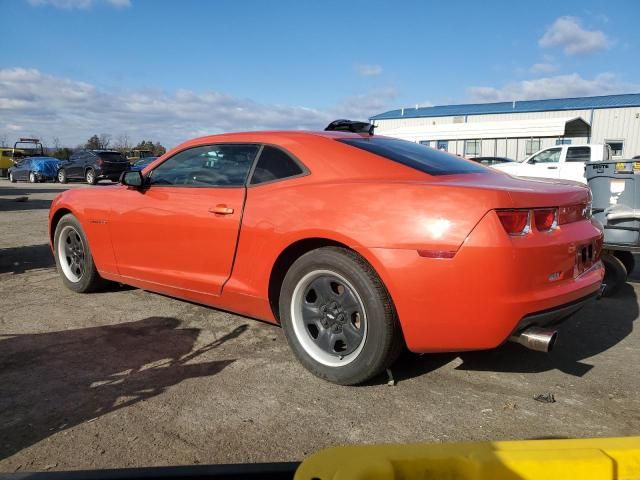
pixel 90 177
pixel 615 274
pixel 73 256
pixel 12 179
pixel 32 177
pixel 338 317
pixel 62 176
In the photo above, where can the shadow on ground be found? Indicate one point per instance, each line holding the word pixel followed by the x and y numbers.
pixel 21 259
pixel 54 381
pixel 599 326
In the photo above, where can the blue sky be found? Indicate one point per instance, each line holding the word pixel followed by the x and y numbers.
pixel 174 69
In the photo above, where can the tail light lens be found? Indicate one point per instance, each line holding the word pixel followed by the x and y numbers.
pixel 574 213
pixel 545 218
pixel 515 222
pixel 99 161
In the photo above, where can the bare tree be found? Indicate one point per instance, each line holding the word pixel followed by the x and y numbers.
pixel 104 140
pixel 4 140
pixel 56 143
pixel 123 143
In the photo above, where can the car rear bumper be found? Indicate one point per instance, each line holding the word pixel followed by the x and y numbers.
pixel 494 286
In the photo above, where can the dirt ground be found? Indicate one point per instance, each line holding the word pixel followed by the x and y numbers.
pixel 131 378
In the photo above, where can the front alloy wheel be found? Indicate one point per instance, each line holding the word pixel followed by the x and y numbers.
pixel 62 176
pixel 73 256
pixel 32 177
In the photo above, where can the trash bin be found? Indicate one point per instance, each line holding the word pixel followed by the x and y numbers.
pixel 615 190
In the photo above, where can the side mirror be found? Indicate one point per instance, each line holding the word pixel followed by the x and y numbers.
pixel 532 161
pixel 132 178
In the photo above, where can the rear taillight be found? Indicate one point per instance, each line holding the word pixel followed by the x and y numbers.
pixel 574 213
pixel 99 161
pixel 545 218
pixel 515 222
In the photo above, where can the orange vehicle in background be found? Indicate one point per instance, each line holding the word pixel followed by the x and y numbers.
pixel 356 244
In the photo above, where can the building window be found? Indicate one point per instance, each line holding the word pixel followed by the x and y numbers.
pixel 472 147
pixel 617 147
pixel 426 143
pixel 532 146
pixel 563 141
pixel 443 145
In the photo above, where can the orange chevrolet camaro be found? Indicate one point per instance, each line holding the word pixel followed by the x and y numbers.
pixel 357 245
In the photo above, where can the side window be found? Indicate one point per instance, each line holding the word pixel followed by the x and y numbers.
pixel 578 154
pixel 274 164
pixel 552 155
pixel 223 165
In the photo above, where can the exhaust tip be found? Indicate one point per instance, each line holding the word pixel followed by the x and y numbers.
pixel 538 339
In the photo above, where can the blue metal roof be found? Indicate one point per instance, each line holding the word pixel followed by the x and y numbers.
pixel 554 104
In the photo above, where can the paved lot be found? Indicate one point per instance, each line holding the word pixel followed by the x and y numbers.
pixel 131 378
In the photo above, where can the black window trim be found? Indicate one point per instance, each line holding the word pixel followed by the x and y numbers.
pixel 247 181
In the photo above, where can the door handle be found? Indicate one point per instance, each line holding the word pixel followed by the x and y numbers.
pixel 552 168
pixel 221 210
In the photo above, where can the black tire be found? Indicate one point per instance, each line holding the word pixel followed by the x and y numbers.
pixel 62 176
pixel 12 179
pixel 90 176
pixel 32 178
pixel 89 279
pixel 627 260
pixel 382 339
pixel 615 274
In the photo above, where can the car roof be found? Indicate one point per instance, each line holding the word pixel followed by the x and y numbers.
pixel 247 136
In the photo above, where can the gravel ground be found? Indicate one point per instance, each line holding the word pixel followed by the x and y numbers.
pixel 131 378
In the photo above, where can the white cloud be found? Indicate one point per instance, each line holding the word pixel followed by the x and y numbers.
pixel 79 4
pixel 543 67
pixel 567 33
pixel 559 86
pixel 368 69
pixel 52 106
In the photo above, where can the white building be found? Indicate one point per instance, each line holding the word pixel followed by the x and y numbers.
pixel 518 129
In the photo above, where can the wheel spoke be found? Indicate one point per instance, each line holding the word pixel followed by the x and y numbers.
pixel 310 311
pixel 351 336
pixel 324 340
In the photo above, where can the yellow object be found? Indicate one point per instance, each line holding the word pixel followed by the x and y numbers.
pixel 596 458
pixel 6 157
pixel 636 166
pixel 620 166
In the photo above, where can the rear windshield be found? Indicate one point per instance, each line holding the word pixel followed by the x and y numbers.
pixel 414 155
pixel 112 156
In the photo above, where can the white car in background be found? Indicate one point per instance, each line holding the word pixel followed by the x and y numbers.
pixel 562 161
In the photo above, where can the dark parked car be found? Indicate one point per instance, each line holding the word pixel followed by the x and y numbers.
pixel 140 164
pixel 34 169
pixel 491 160
pixel 93 165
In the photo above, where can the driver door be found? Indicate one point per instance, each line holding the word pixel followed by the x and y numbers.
pixel 544 164
pixel 181 229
